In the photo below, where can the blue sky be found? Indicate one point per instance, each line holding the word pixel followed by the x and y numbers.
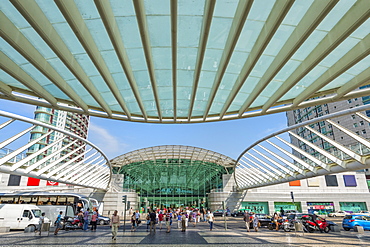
pixel 119 137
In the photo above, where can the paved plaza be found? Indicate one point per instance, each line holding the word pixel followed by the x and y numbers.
pixel 194 236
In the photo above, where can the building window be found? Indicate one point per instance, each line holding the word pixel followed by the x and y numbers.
pixel 363 131
pixel 357 132
pixel 355 125
pixel 361 122
pixel 350 180
pixel 295 183
pixel 331 180
pixel 349 101
pixel 353 116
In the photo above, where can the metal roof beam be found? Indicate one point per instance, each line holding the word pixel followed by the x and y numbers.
pixel 11 34
pixel 36 17
pixel 313 17
pixel 144 33
pixel 277 15
pixel 106 13
pixel 19 74
pixel 361 79
pixel 358 14
pixel 206 25
pixel 174 55
pixel 72 15
pixel 236 28
pixel 356 54
pixel 5 89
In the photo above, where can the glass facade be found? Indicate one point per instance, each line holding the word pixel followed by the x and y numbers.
pixel 172 182
pixel 353 206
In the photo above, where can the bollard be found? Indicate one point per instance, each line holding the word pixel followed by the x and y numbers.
pixel 359 229
pixel 334 228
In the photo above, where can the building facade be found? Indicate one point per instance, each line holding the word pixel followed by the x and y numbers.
pixel 75 123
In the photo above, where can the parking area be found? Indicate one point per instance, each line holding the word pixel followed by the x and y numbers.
pixel 235 235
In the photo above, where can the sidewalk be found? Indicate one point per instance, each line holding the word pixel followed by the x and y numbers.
pixel 194 236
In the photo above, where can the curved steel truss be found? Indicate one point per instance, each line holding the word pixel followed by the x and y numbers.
pixel 62 157
pixel 275 159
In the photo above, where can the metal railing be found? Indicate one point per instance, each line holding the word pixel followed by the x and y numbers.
pixel 79 162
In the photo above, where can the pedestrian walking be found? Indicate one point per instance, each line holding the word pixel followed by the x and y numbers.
pixel 86 219
pixel 41 221
pixel 94 221
pixel 114 224
pixel 134 222
pixel 255 222
pixel 275 219
pixel 247 220
pixel 160 219
pixel 183 221
pixel 153 220
pixel 58 222
pixel 168 220
pixel 210 219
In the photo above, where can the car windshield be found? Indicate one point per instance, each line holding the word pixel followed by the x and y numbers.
pixel 36 212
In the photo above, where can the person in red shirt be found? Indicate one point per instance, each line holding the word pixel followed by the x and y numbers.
pixel 160 219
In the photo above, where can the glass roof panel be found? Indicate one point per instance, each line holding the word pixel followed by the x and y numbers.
pixel 81 91
pixel 38 43
pixel 267 93
pixel 339 52
pixel 349 74
pixel 188 30
pixel 12 13
pixel 219 32
pixel 122 7
pixel 249 35
pixel 129 31
pixel 236 62
pixel 190 7
pixel 159 36
pixel 56 92
pixel 162 58
pixel 10 52
pixel 297 12
pixel 11 81
pixel 69 38
pixel 158 7
pixel 86 64
pixel 226 8
pixel 189 25
pixel 335 15
pixel 185 78
pixel 137 59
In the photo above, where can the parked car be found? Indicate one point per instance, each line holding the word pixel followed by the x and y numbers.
pixel 291 212
pixel 218 212
pixel 338 214
pixel 237 213
pixel 350 221
pixel 103 220
pixel 264 219
pixel 364 213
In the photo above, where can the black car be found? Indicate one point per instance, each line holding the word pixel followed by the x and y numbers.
pixel 218 212
pixel 264 219
pixel 237 213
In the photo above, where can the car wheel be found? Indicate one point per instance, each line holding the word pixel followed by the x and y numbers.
pixel 101 222
pixel 346 229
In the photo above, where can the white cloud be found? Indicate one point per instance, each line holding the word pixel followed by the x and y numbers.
pixel 108 143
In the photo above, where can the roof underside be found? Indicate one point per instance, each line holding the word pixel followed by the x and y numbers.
pixel 183 61
pixel 172 153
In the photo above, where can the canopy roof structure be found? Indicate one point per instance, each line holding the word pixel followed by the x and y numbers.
pixel 173 152
pixel 183 61
pixel 166 174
